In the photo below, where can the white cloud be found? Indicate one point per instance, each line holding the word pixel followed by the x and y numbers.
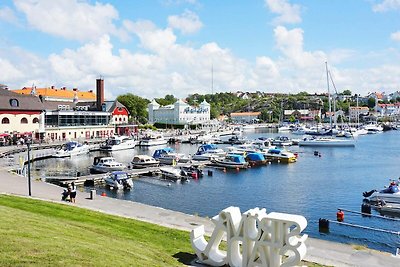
pixel 386 5
pixel 71 19
pixel 287 13
pixel 395 36
pixel 163 66
pixel 8 15
pixel 188 22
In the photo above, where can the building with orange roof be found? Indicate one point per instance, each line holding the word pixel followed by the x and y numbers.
pixel 58 94
pixel 244 117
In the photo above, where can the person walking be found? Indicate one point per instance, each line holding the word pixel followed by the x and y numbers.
pixel 73 192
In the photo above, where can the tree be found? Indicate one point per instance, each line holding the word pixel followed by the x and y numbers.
pixel 346 92
pixel 167 100
pixel 136 106
pixel 371 102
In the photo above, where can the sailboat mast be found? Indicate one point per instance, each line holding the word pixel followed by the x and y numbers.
pixel 329 95
pixel 212 79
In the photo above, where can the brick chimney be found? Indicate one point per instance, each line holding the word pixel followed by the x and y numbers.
pixel 99 93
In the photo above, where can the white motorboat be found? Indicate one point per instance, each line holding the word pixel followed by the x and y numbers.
pixel 279 155
pixel 171 173
pixel 373 128
pixel 153 140
pixel 208 152
pixel 72 149
pixel 327 141
pixel 390 194
pixel 168 156
pixel 144 161
pixel 106 164
pixel 281 141
pixel 119 143
pixel 231 161
pixel 118 180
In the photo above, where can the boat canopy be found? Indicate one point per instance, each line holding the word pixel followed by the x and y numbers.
pixel 274 151
pixel 159 152
pixel 119 175
pixel 236 158
pixel 207 147
pixel 71 145
pixel 255 156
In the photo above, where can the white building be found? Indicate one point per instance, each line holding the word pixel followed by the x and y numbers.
pixel 179 113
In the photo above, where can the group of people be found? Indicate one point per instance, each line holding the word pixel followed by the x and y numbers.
pixel 69 194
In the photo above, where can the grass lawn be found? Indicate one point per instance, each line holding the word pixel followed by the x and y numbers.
pixel 48 234
pixel 40 233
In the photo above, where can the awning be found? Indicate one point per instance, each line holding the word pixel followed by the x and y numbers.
pixel 4 135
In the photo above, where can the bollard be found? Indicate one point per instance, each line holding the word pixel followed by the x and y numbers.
pixel 92 194
pixel 366 208
pixel 323 225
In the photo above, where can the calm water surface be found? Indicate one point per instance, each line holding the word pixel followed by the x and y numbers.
pixel 314 187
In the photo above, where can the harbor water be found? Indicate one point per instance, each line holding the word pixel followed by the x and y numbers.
pixel 314 187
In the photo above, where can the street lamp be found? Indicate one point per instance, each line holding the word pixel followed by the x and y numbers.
pixel 28 144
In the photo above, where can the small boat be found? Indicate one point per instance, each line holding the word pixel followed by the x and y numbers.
pixel 231 161
pixel 172 173
pixel 119 143
pixel 118 180
pixel 389 209
pixel 391 194
pixel 144 161
pixel 208 152
pixel 106 164
pixel 281 141
pixel 373 128
pixel 327 141
pixel 168 156
pixel 153 140
pixel 72 149
pixel 280 155
pixel 256 159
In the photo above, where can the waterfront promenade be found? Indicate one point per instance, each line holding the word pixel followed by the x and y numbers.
pixel 318 251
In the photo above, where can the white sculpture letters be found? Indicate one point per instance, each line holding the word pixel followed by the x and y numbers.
pixel 253 238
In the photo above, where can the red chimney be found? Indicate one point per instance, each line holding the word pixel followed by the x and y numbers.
pixel 99 93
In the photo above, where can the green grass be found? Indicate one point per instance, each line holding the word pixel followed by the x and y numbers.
pixel 40 233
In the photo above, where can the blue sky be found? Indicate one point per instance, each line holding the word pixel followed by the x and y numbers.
pixel 156 47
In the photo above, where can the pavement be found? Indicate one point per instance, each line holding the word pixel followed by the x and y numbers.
pixel 318 251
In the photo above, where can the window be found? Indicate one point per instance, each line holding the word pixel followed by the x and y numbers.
pixel 5 121
pixel 24 121
pixel 35 120
pixel 14 102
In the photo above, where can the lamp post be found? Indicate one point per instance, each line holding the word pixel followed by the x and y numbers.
pixel 28 144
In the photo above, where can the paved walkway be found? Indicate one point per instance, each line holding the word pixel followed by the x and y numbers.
pixel 318 251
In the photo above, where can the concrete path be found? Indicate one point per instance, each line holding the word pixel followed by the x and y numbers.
pixel 318 251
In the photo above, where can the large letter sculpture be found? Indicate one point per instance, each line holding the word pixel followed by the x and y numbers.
pixel 253 238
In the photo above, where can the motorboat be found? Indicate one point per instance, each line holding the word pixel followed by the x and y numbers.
pixel 172 173
pixel 106 164
pixel 373 128
pixel 118 180
pixel 237 131
pixel 235 139
pixel 391 194
pixel 280 155
pixel 327 141
pixel 153 140
pixel 248 127
pixel 389 209
pixel 256 159
pixel 144 161
pixel 209 149
pixel 119 143
pixel 72 148
pixel 168 156
pixel 231 161
pixel 281 141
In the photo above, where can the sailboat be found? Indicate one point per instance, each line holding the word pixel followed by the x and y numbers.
pixel 330 141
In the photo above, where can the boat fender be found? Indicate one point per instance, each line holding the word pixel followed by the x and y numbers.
pixel 340 216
